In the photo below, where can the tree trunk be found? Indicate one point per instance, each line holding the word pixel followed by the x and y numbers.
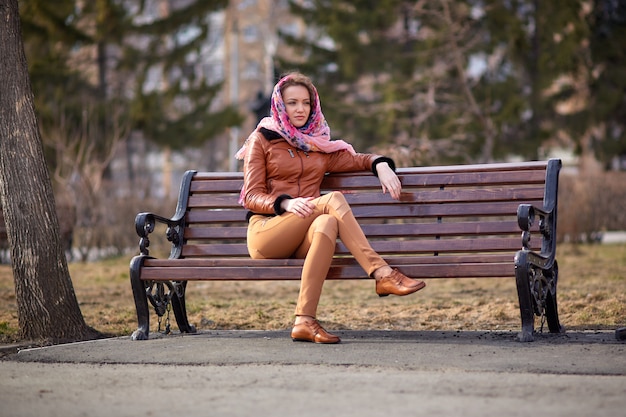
pixel 46 304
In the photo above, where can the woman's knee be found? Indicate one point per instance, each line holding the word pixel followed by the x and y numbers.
pixel 337 201
pixel 338 197
pixel 327 225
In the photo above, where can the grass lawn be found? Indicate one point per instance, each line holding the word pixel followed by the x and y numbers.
pixel 591 296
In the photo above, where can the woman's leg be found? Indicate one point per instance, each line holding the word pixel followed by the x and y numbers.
pixel 314 239
pixel 350 231
pixel 276 237
pixel 317 249
pixel 388 280
pixel 280 236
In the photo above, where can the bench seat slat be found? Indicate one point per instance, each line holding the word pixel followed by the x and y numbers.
pixel 269 273
pixel 349 261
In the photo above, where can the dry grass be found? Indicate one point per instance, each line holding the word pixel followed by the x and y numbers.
pixel 592 295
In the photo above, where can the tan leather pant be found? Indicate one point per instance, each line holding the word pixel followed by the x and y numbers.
pixel 312 239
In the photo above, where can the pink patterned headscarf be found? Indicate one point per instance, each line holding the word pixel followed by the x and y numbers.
pixel 314 136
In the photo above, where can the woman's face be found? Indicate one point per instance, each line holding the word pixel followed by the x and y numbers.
pixel 297 104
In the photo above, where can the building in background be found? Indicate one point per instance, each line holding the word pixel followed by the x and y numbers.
pixel 251 43
pixel 240 51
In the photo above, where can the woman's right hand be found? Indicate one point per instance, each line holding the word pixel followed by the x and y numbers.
pixel 301 206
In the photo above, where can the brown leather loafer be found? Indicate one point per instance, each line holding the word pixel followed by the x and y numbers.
pixel 312 332
pixel 398 284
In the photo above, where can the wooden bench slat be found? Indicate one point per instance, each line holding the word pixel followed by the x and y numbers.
pixel 216 232
pixel 365 180
pixel 443 229
pixel 423 177
pixel 448 196
pixel 441 246
pixel 421 197
pixel 285 272
pixel 215 216
pixel 210 185
pixel 486 179
pixel 382 247
pixel 393 260
pixel 380 230
pixel 439 210
pixel 213 201
pixel 397 210
pixel 429 180
pixel 492 167
pixel 216 185
pixel 526 166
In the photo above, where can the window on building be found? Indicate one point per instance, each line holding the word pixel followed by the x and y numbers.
pixel 251 71
pixel 290 29
pixel 213 72
pixel 244 4
pixel 250 33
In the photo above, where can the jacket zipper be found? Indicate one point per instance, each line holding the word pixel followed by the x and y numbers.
pixel 301 169
pixel 301 164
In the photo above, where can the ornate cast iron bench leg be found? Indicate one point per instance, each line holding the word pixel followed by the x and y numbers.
pixel 551 310
pixel 536 289
pixel 141 300
pixel 523 293
pixel 180 309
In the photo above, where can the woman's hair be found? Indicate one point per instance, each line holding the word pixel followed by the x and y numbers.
pixel 297 78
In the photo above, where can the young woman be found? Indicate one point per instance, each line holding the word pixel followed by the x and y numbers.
pixel 285 160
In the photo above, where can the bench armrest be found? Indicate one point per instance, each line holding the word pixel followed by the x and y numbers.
pixel 526 217
pixel 527 214
pixel 145 224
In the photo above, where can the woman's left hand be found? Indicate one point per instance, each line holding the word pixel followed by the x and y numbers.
pixel 389 180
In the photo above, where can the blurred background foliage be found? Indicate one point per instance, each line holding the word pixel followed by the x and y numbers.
pixel 426 82
pixel 458 81
pixel 472 81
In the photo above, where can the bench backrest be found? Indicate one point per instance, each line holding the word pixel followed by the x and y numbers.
pixel 449 210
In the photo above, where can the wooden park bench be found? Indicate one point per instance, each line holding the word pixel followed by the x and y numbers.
pixel 451 222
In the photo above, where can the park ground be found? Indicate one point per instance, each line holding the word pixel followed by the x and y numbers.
pixel 591 296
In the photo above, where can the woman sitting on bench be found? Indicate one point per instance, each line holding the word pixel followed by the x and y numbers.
pixel 285 160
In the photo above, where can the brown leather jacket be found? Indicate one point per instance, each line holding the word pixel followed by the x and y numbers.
pixel 274 171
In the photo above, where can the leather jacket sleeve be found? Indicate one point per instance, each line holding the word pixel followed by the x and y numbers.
pixel 257 197
pixel 346 162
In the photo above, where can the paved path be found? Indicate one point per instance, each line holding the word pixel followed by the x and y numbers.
pixel 372 373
